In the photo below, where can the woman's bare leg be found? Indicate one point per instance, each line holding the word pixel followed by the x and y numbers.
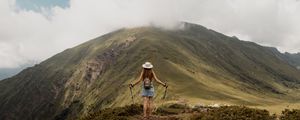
pixel 150 106
pixel 145 106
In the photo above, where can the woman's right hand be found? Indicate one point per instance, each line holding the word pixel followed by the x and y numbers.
pixel 131 85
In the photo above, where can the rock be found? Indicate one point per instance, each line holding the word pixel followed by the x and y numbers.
pixel 215 105
pixel 198 105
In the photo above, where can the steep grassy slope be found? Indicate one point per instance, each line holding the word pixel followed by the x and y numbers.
pixel 199 64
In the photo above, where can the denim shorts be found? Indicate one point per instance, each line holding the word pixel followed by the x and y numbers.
pixel 147 92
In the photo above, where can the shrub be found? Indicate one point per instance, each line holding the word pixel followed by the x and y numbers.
pixel 290 114
pixel 118 113
pixel 170 109
pixel 233 113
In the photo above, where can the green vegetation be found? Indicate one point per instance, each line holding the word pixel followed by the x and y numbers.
pixel 233 113
pixel 290 114
pixel 171 109
pixel 200 65
pixel 118 113
pixel 176 111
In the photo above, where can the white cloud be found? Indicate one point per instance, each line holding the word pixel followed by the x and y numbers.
pixel 28 35
pixel 10 55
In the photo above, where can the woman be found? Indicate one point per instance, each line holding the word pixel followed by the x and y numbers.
pixel 147 75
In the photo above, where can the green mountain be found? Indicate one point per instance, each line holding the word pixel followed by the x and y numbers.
pixel 199 64
pixel 294 59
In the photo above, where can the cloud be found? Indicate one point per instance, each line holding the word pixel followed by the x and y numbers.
pixel 27 35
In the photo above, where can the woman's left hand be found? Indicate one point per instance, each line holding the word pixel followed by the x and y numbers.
pixel 165 85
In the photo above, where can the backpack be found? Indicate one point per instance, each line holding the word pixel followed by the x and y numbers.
pixel 147 83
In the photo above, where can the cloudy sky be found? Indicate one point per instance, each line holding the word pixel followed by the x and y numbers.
pixel 34 30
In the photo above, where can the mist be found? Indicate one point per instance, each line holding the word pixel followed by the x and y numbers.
pixel 30 35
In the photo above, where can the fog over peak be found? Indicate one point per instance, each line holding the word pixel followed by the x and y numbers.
pixel 32 35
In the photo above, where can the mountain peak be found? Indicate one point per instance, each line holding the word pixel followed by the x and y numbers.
pixel 200 65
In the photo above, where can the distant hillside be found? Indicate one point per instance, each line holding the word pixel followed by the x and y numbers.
pixel 291 58
pixel 294 59
pixel 9 72
pixel 199 64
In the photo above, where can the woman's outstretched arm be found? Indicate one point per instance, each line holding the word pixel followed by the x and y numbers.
pixel 157 80
pixel 138 80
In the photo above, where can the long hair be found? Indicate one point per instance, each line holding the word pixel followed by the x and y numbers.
pixel 147 73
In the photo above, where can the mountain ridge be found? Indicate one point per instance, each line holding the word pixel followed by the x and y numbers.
pixel 198 63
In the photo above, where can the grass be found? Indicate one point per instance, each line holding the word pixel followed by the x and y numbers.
pixel 179 111
pixel 194 73
pixel 200 65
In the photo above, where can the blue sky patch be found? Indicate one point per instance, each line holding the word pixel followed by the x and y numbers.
pixel 37 5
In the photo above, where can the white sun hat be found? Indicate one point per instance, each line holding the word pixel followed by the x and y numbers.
pixel 147 65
